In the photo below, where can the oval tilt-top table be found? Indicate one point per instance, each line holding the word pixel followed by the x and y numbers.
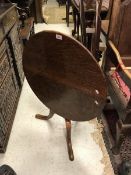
pixel 65 77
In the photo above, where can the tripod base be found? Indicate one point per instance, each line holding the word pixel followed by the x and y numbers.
pixel 68 132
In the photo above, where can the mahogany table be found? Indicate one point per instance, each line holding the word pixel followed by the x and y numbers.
pixel 65 77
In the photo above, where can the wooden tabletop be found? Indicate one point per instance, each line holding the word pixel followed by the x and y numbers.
pixel 64 76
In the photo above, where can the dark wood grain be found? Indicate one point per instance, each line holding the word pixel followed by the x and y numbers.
pixel 64 76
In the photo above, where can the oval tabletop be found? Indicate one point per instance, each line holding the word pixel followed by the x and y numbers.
pixel 64 76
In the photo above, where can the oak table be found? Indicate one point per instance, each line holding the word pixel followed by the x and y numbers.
pixel 65 77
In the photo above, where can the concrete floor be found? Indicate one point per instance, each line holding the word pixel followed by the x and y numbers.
pixel 39 147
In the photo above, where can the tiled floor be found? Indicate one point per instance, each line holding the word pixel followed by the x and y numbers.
pixel 39 147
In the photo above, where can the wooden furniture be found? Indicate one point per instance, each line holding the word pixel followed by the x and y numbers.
pixel 36 11
pixel 88 15
pixel 117 68
pixel 106 21
pixel 118 74
pixel 27 30
pixel 88 11
pixel 75 13
pixel 64 77
pixel 26 22
pixel 68 5
pixel 90 27
pixel 39 14
pixel 11 72
pixel 34 6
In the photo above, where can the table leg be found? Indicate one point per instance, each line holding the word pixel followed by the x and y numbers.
pixel 74 20
pixel 68 139
pixel 42 117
